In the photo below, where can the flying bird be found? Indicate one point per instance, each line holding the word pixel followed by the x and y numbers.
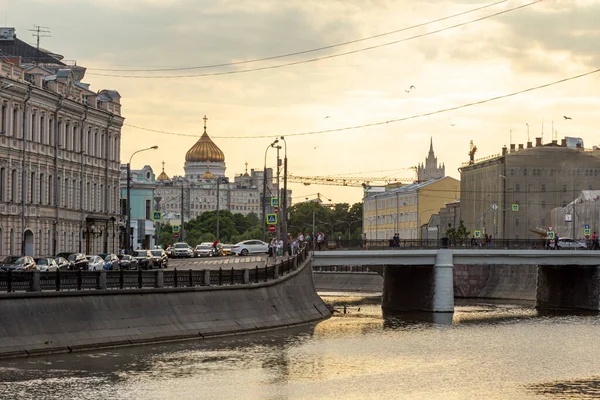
pixel 565 117
pixel 315 148
pixel 327 117
pixel 412 87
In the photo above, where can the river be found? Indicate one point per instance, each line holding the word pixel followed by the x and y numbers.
pixel 485 350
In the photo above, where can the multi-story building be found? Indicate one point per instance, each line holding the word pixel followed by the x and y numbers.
pixel 141 191
pixel 59 155
pixel 205 186
pixel 431 169
pixel 510 195
pixel 405 209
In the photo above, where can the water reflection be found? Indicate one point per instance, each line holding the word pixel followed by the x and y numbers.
pixel 406 320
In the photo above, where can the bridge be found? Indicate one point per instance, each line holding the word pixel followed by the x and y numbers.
pixel 423 279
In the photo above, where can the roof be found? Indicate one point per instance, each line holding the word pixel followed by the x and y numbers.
pixel 27 52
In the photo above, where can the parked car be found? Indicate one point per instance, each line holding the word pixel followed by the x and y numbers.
pixel 203 250
pixel 169 251
pixel 182 249
pixel 568 243
pixel 250 246
pixel 111 261
pixel 79 260
pixel 18 263
pixel 95 263
pixel 159 258
pixel 144 258
pixel 127 262
pixel 46 264
pixel 226 249
pixel 62 263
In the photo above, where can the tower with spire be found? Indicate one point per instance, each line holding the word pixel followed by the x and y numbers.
pixel 430 170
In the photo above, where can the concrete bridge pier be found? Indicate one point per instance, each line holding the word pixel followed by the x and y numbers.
pixel 568 287
pixel 420 287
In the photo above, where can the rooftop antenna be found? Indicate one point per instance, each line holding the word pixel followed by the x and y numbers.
pixel 542 130
pixel 528 140
pixel 39 32
pixel 510 137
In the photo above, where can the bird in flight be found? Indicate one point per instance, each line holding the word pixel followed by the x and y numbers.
pixel 410 88
pixel 450 122
pixel 315 148
pixel 565 117
pixel 327 117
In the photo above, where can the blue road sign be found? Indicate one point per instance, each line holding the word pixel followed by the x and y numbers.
pixel 176 228
pixel 586 226
pixel 271 219
pixel 274 201
pixel 156 215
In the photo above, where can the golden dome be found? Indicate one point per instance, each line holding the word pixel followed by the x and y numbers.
pixel 163 176
pixel 205 150
pixel 208 174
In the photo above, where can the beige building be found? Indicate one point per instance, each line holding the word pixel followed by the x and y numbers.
pixel 510 195
pixel 59 156
pixel 405 209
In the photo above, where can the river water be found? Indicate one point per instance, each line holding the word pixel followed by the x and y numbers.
pixel 485 350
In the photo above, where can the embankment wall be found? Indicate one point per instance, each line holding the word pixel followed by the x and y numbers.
pixel 54 322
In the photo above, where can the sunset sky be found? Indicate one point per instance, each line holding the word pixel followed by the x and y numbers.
pixel 528 47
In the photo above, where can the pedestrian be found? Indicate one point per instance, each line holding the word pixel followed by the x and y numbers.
pixel 320 239
pixel 271 249
pixel 595 245
pixel 364 241
pixel 280 247
pixel 556 241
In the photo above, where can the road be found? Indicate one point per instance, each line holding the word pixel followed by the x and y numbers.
pixel 237 262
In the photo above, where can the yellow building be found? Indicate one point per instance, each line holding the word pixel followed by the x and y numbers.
pixel 405 209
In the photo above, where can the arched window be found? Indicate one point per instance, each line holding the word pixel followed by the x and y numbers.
pixel 95 197
pixel 89 142
pixel 1 241
pixel 95 144
pixel 102 147
pixel 88 202
pixel 59 192
pixel 13 186
pixel 43 138
pixel 101 198
pixel 50 191
pixel 40 244
pixel 74 203
pixel 11 241
pixel 67 196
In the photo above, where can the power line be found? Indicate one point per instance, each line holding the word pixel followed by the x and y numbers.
pixel 302 51
pixel 415 116
pixel 323 57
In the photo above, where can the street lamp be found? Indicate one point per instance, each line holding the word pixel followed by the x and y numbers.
pixel 128 245
pixel 264 195
pixel 349 225
pixel 220 179
pixel 284 203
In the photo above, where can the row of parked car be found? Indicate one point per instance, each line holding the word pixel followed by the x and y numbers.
pixel 206 249
pixel 140 259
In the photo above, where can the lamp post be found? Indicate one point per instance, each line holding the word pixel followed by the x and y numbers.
pixel 128 228
pixel 284 203
pixel 23 175
pixel 503 208
pixel 349 225
pixel 264 194
pixel 220 179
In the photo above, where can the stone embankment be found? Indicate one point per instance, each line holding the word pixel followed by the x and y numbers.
pixel 45 322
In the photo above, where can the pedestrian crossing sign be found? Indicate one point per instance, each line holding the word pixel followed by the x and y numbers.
pixel 551 235
pixel 274 201
pixel 271 219
pixel 156 215
pixel 176 228
pixel 477 234
pixel 515 207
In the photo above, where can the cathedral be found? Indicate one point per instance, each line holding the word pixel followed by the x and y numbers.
pixel 205 187
pixel 430 170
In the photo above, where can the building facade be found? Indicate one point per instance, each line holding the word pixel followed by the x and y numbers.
pixel 141 187
pixel 205 186
pixel 59 156
pixel 510 195
pixel 431 169
pixel 405 209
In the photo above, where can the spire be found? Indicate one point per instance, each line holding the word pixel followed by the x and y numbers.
pixel 163 166
pixel 431 146
pixel 205 119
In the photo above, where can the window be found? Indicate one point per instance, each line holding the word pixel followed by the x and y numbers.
pixel 15 122
pixel 13 186
pixel 32 188
pixel 524 171
pixel 543 204
pixel 2 185
pixel 43 138
pixel 517 187
pixel 543 222
pixel 543 187
pixel 148 212
pixel 530 188
pixel 564 188
pixel 564 203
pixel 50 190
pixel 42 187
pixel 590 186
pixel 517 222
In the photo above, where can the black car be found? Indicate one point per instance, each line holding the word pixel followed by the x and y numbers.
pixel 62 263
pixel 144 259
pixel 127 262
pixel 79 260
pixel 159 258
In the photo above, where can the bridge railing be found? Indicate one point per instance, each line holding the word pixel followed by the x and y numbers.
pixel 477 244
pixel 37 281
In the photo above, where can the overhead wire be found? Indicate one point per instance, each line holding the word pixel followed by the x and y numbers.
pixel 297 53
pixel 372 124
pixel 323 57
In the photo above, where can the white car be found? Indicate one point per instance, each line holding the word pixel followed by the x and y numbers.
pixel 203 250
pixel 568 243
pixel 250 246
pixel 182 249
pixel 96 263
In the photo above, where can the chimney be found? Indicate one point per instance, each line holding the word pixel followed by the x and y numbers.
pixel 504 150
pixel 538 141
pixel 554 142
pixel 529 145
pixel 563 143
pixel 520 146
pixel 512 147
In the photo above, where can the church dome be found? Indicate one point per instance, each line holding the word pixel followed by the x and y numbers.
pixel 208 174
pixel 204 150
pixel 163 176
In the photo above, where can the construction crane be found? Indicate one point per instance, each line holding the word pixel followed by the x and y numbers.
pixel 344 180
pixel 472 151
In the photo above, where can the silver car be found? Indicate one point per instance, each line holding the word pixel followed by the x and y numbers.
pixel 250 246
pixel 96 263
pixel 568 243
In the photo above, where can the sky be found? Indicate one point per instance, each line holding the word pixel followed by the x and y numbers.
pixel 487 56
